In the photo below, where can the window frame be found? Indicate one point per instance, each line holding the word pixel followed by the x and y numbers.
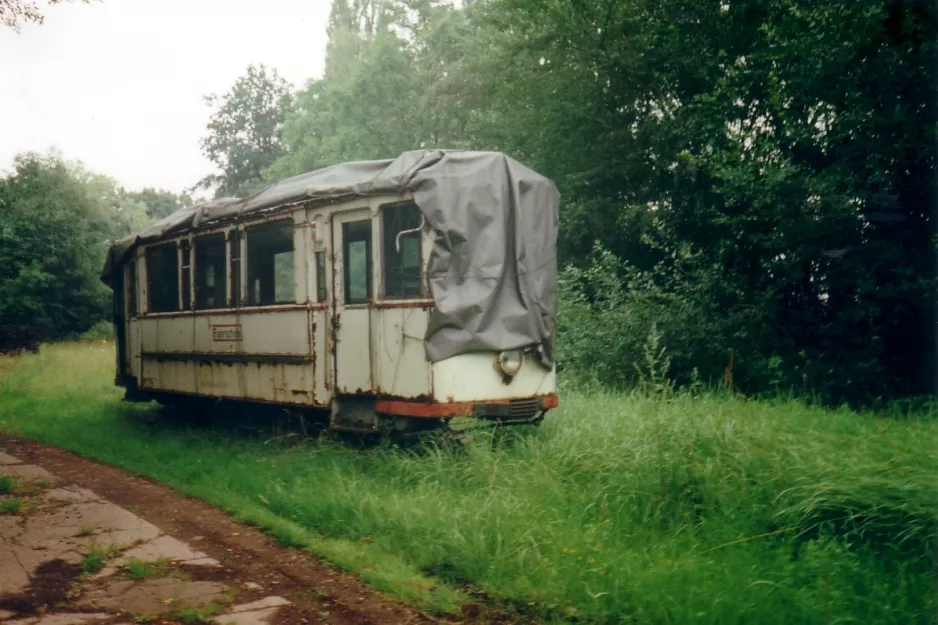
pixel 246 263
pixel 319 267
pixel 384 210
pixel 185 270
pixel 175 273
pixel 369 262
pixel 131 288
pixel 235 242
pixel 225 266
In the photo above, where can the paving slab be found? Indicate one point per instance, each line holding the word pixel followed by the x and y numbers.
pixel 8 459
pixel 72 618
pixel 208 562
pixel 26 472
pixel 260 604
pixel 152 596
pixel 70 494
pixel 110 525
pixel 13 577
pixel 254 617
pixel 160 548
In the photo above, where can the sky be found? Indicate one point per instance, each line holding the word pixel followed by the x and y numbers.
pixel 119 84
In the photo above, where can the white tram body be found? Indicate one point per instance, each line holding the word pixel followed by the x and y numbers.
pixel 323 294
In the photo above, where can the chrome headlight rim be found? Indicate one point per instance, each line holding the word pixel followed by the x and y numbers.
pixel 510 361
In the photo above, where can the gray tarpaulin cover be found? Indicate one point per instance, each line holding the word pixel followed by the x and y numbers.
pixel 493 268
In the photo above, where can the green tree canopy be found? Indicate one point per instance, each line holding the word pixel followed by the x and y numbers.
pixel 244 132
pixel 56 223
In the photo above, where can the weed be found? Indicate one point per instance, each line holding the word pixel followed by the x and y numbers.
pixel 190 615
pixel 85 530
pixel 92 563
pixel 12 505
pixel 95 560
pixel 140 569
pixel 8 484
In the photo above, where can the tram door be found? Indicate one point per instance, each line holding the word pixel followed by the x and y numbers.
pixel 352 293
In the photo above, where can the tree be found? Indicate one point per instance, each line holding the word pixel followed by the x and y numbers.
pixel 244 132
pixel 14 13
pixel 159 203
pixel 57 220
pixel 392 83
pixel 787 147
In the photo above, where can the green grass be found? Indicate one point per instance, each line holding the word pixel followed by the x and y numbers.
pixel 93 562
pixel 7 484
pixel 11 505
pixel 141 569
pixel 618 509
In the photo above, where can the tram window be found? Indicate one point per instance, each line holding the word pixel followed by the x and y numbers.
pixel 235 267
pixel 320 276
pixel 270 264
pixel 356 237
pixel 402 265
pixel 186 275
pixel 162 278
pixel 132 288
pixel 210 278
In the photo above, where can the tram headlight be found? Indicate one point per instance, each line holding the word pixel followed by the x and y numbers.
pixel 509 362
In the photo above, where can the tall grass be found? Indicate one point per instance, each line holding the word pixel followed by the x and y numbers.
pixel 620 508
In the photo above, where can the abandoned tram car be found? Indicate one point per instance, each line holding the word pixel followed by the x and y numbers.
pixel 396 294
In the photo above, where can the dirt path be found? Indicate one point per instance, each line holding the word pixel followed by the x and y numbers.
pixel 207 563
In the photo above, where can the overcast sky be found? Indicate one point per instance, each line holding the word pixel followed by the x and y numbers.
pixel 118 84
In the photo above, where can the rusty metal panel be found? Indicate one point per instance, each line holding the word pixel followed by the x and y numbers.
pixel 322 355
pixel 353 351
pixel 474 377
pixel 258 330
pixel 401 365
pixel 259 354
pixel 279 383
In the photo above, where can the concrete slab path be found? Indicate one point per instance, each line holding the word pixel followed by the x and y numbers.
pixel 69 557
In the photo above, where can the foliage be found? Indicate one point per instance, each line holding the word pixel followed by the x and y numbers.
pixel 15 13
pixel 787 146
pixel 101 331
pixel 11 505
pixel 391 84
pixel 244 132
pixel 159 202
pixel 620 507
pixel 56 222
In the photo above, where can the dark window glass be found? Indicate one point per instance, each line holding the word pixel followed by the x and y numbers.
pixel 356 236
pixel 162 278
pixel 270 264
pixel 132 288
pixel 186 275
pixel 235 268
pixel 210 277
pixel 320 276
pixel 402 253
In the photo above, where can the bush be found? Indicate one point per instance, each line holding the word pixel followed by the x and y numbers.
pixel 607 312
pixel 103 330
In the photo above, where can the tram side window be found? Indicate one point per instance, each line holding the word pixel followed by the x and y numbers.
pixel 235 268
pixel 270 264
pixel 210 278
pixel 186 253
pixel 356 236
pixel 402 254
pixel 320 276
pixel 162 278
pixel 132 288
